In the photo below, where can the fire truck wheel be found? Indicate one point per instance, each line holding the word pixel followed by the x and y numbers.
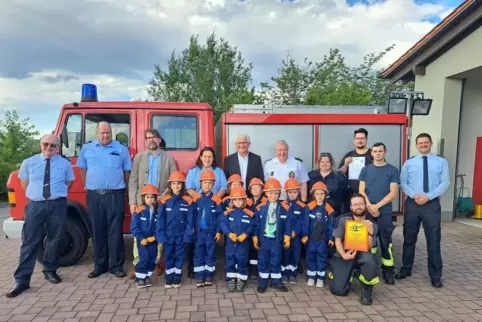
pixel 73 245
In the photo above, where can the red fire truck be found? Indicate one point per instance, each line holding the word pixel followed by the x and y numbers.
pixel 188 127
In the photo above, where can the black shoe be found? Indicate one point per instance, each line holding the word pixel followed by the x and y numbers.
pixel 208 282
pixel 261 289
pixel 94 274
pixel 366 295
pixel 17 290
pixel 168 284
pixel 148 281
pixel 52 277
pixel 280 288
pixel 388 278
pixel 402 275
pixel 119 274
pixel 140 283
pixel 437 283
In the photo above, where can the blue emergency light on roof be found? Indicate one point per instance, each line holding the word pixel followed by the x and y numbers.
pixel 89 93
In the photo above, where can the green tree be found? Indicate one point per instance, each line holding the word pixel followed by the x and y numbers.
pixel 16 143
pixel 214 73
pixel 330 82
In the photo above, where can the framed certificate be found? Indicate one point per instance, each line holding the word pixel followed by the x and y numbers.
pixel 356 236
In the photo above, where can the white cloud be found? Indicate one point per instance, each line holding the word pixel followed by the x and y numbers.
pixel 51 47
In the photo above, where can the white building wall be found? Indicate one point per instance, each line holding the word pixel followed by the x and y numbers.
pixel 440 84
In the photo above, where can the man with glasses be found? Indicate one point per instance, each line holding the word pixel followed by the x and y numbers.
pixel 46 178
pixel 243 162
pixel 152 166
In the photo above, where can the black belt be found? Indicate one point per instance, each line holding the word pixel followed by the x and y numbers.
pixel 106 191
pixel 50 200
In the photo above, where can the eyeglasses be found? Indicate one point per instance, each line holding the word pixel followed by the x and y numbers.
pixel 151 138
pixel 46 145
pixel 325 154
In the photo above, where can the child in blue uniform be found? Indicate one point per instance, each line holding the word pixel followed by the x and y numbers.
pixel 237 224
pixel 256 189
pixel 290 257
pixel 273 232
pixel 143 228
pixel 175 227
pixel 234 181
pixel 207 228
pixel 318 234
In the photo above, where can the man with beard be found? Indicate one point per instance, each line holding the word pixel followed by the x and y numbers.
pixel 379 185
pixel 152 166
pixel 348 263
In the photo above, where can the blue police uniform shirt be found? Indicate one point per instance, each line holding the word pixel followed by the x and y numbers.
pixel 153 170
pixel 33 170
pixel 105 165
pixel 377 183
pixel 193 175
pixel 411 176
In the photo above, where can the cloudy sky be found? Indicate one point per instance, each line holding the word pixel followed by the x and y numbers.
pixel 49 48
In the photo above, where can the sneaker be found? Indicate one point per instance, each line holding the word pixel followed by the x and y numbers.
pixel 292 280
pixel 240 286
pixel 200 283
pixel 168 284
pixel 231 286
pixel 176 284
pixel 311 282
pixel 319 283
pixel 208 282
pixel 284 279
pixel 140 283
pixel 280 288
pixel 148 281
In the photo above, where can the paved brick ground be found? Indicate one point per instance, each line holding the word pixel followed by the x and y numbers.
pixel 112 299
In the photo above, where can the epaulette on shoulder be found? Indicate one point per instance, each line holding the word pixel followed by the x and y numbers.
pixel 329 208
pixel 228 211
pixel 312 204
pixel 285 205
pixel 249 202
pixel 249 212
pixel 300 203
pixel 165 198
pixel 216 199
pixel 260 205
pixel 264 199
pixel 225 198
pixel 140 208
pixel 188 199
pixel 196 197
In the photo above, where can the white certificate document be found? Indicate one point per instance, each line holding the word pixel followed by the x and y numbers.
pixel 355 166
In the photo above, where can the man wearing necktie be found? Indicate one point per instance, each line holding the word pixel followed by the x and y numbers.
pixel 424 179
pixel 46 178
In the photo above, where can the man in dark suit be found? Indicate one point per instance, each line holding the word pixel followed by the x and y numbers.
pixel 247 164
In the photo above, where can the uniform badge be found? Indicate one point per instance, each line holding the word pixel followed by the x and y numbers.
pixel 291 174
pixel 271 173
pixel 318 215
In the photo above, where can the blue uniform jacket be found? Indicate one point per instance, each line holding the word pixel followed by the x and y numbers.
pixel 328 219
pixel 212 209
pixel 142 226
pixel 296 214
pixel 283 226
pixel 238 221
pixel 252 204
pixel 175 218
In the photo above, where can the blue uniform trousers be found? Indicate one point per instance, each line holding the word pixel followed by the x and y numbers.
pixel 205 255
pixel 52 215
pixel 269 262
pixel 147 259
pixel 385 230
pixel 316 258
pixel 290 258
pixel 174 257
pixel 106 213
pixel 237 259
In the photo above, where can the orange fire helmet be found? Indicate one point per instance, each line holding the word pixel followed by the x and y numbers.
pixel 234 178
pixel 254 182
pixel 149 189
pixel 207 175
pixel 292 184
pixel 272 184
pixel 177 176
pixel 238 193
pixel 319 186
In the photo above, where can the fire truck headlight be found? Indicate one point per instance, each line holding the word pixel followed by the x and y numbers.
pixel 397 105
pixel 421 106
